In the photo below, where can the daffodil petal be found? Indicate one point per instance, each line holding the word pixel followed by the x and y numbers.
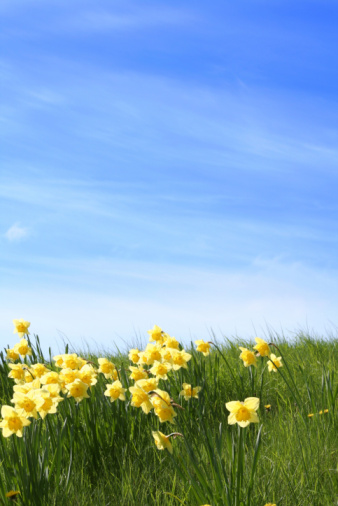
pixel 233 406
pixel 252 403
pixel 232 419
pixel 254 418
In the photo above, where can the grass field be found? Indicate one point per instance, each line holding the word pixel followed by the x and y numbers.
pixel 99 451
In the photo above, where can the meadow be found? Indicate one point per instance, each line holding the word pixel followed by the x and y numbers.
pixel 249 423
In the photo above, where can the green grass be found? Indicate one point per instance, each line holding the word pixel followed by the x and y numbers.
pixel 98 452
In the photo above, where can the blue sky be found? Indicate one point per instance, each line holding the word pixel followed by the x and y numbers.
pixel 171 163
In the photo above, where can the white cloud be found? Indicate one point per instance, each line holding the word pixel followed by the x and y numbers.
pixel 16 233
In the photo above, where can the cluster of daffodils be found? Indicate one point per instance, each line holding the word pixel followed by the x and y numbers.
pixel 162 354
pixel 39 389
pixel 262 350
pixel 244 413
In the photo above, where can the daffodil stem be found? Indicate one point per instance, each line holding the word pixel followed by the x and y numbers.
pixel 228 365
pixel 240 458
pixel 286 364
pixel 262 382
pixel 252 380
pixel 284 378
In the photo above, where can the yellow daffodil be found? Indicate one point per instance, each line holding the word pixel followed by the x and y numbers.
pixel 134 355
pixel 28 378
pixel 27 404
pixel 67 376
pixel 138 373
pixel 243 413
pixel 22 348
pixel 267 407
pixel 106 367
pixel 310 415
pixel 160 370
pixel 115 391
pixel 27 387
pixel 180 359
pixel 156 334
pixel 140 399
pixel 49 404
pixel 171 342
pixel 167 354
pixel 321 412
pixel 52 392
pixel 18 372
pixel 147 384
pixel 165 413
pixel 274 363
pixel 12 422
pixel 78 390
pixel 248 357
pixel 72 361
pixel 58 359
pixel 21 327
pixel 88 375
pixel 150 354
pixel 160 396
pixel 270 504
pixel 50 378
pixel 262 347
pixel 12 355
pixel 203 347
pixel 162 406
pixel 162 442
pixel 188 391
pixel 38 370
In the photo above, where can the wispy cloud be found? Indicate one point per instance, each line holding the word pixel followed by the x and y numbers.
pixel 17 233
pixel 177 165
pixel 120 300
pixel 137 117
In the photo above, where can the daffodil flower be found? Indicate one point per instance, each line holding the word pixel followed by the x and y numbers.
pixel 160 370
pixel 162 442
pixel 140 399
pixel 134 355
pixel 106 367
pixel 203 347
pixel 138 373
pixel 12 422
pixel 21 327
pixel 188 391
pixel 274 363
pixel 22 348
pixel 243 413
pixel 115 391
pixel 248 357
pixel 156 334
pixel 12 355
pixel 262 347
